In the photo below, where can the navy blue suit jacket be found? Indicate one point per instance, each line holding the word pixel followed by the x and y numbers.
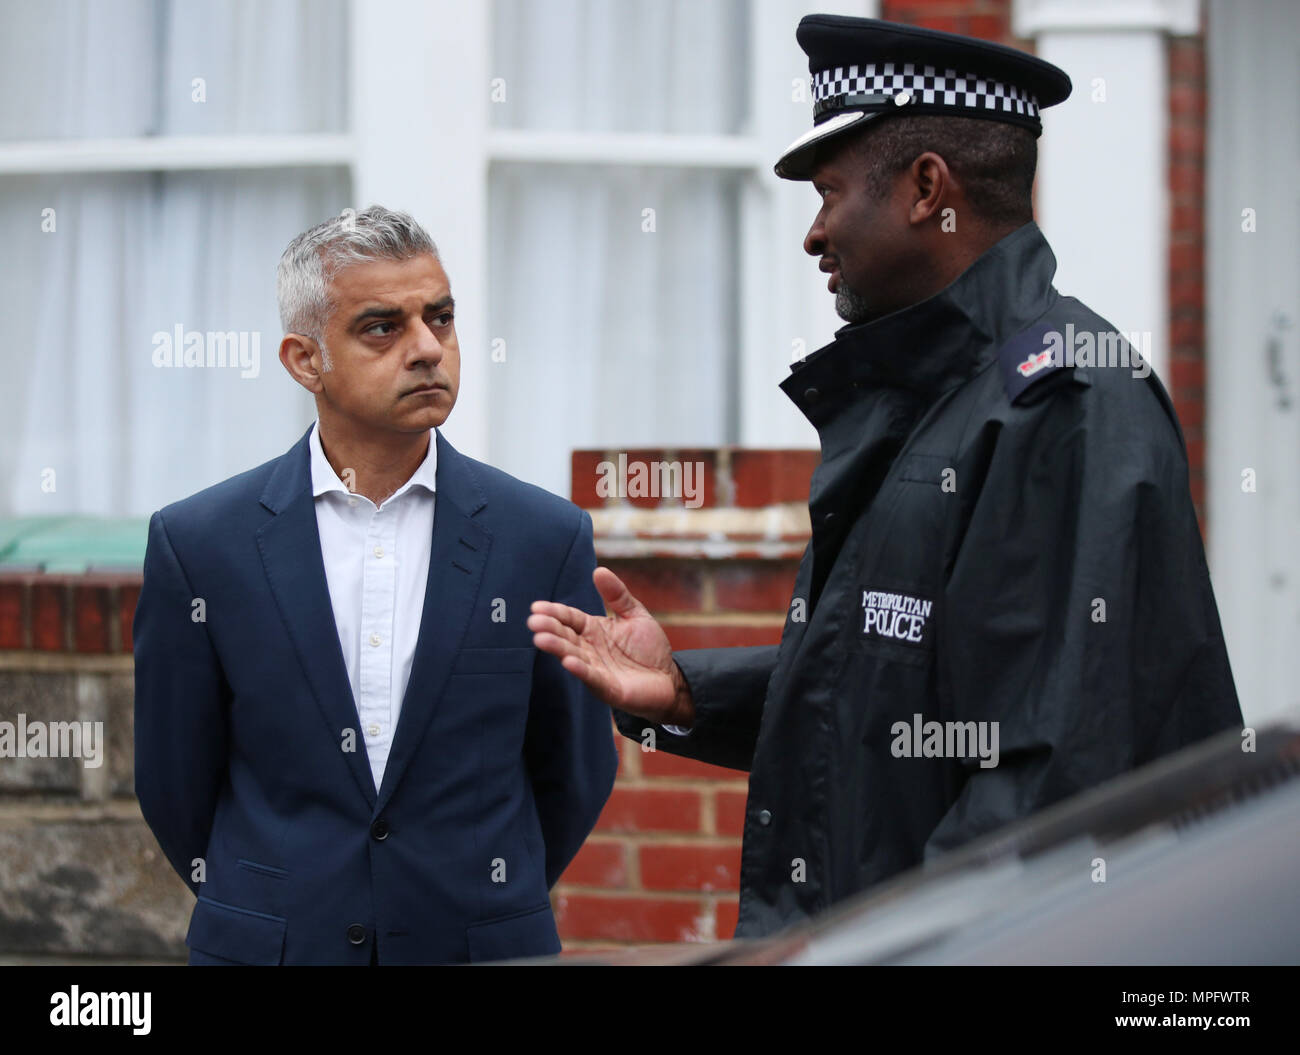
pixel 249 754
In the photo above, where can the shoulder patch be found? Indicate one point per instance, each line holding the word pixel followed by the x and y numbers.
pixel 1028 357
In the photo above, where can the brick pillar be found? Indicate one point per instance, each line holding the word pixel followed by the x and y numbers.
pixel 1187 251
pixel 82 877
pixel 712 553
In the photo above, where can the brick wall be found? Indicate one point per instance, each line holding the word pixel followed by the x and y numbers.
pixel 663 864
pixel 81 877
pixel 1186 377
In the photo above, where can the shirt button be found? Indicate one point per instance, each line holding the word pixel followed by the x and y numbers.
pixel 374 640
pixel 372 729
pixel 352 501
pixel 811 394
pixel 357 934
pixel 379 551
pixel 764 817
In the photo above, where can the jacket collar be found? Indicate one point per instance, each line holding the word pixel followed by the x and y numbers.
pixel 936 344
pixel 456 481
pixel 294 565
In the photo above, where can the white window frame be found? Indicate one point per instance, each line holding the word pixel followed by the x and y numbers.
pixel 784 307
pixel 420 139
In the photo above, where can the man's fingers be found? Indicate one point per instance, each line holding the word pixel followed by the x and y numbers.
pixel 618 599
pixel 574 618
pixel 546 624
pixel 556 645
pixel 594 678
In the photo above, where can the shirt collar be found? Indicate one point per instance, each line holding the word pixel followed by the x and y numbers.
pixel 324 479
pixel 938 343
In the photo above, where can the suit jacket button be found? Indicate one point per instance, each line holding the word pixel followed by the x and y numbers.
pixel 379 830
pixel 764 817
pixel 357 934
pixel 811 395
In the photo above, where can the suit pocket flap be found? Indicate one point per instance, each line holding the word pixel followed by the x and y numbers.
pixel 493 660
pixel 529 933
pixel 236 933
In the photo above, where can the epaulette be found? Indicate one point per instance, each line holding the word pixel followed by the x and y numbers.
pixel 1029 357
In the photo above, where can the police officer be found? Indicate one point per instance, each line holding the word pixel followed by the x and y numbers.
pixel 1006 598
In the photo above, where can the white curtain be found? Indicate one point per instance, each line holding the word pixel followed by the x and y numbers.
pixel 133 255
pixel 616 334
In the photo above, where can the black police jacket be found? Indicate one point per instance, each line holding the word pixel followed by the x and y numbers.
pixel 1005 599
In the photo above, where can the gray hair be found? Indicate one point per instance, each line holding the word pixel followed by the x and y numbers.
pixel 311 261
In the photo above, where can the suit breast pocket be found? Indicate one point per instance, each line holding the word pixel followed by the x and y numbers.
pixel 494 687
pixel 479 661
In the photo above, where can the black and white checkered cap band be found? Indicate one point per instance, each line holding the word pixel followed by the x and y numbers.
pixel 924 85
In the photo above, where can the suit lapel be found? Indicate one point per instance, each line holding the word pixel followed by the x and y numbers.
pixel 291 556
pixel 457 558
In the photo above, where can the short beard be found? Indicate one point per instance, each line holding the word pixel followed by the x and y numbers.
pixel 850 306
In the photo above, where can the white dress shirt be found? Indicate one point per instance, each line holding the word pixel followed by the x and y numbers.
pixel 376 565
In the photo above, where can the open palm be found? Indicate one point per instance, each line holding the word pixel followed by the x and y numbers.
pixel 623 657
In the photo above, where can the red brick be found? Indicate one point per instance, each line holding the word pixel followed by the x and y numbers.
pixel 1186 291
pixel 717 635
pixel 1186 260
pixel 598 864
pixel 663 585
pixel 708 466
pixel 1186 177
pixel 729 811
pixel 48 607
pixel 1187 139
pixel 11 613
pixel 621 918
pixel 1187 333
pixel 1187 218
pixel 988 27
pixel 1187 373
pixel 764 478
pixel 126 602
pixel 915 15
pixel 1186 59
pixel 754 586
pixel 632 809
pixel 726 915
pixel 1190 411
pixel 691 867
pixel 583 477
pixel 1195 451
pixel 91 618
pixel 664 764
pixel 1187 99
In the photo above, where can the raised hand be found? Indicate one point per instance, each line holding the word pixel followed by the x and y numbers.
pixel 624 657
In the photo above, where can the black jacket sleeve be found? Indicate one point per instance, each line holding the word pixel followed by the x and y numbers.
pixel 1098 645
pixel 728 686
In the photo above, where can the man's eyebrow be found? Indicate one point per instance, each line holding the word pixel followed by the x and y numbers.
pixel 375 311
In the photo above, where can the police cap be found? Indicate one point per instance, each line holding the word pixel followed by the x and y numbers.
pixel 863 69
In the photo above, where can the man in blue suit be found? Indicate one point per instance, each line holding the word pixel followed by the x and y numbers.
pixel 346 743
